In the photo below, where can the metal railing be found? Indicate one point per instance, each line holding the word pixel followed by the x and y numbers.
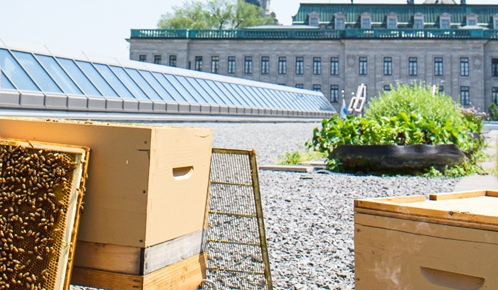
pixel 299 33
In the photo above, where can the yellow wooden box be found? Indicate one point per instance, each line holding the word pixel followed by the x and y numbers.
pixel 447 242
pixel 146 196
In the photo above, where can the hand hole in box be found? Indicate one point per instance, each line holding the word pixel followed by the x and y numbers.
pixel 451 279
pixel 182 173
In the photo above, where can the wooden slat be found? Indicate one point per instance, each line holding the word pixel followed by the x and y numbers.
pixel 185 275
pixel 114 258
pixel 105 280
pixel 428 219
pixel 292 168
pixel 457 195
pixel 366 203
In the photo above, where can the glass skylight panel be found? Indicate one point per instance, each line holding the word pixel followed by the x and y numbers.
pixel 55 70
pixel 209 97
pixel 277 103
pixel 5 83
pixel 79 77
pixel 165 95
pixel 129 83
pixel 169 87
pixel 286 100
pixel 97 79
pixel 178 86
pixel 139 79
pixel 264 102
pixel 276 98
pixel 16 73
pixel 251 97
pixel 211 85
pixel 232 96
pixel 37 72
pixel 297 99
pixel 309 100
pixel 242 98
pixel 111 78
pixel 201 99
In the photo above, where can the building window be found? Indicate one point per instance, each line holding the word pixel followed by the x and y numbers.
pixel 412 66
pixel 334 65
pixel 317 65
pixel 314 21
pixel 231 65
pixel 496 24
pixel 438 66
pixel 387 88
pixel 248 65
pixel 471 19
pixel 157 59
pixel 215 64
pixel 494 67
pixel 198 63
pixel 334 93
pixel 445 21
pixel 142 57
pixel 339 23
pixel 282 65
pixel 172 60
pixel 464 66
pixel 366 24
pixel 418 24
pixel 299 86
pixel 464 95
pixel 299 65
pixel 392 23
pixel 363 66
pixel 265 65
pixel 388 66
pixel 494 95
pixel 317 87
pixel 445 24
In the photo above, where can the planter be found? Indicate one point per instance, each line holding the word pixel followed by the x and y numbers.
pixel 395 159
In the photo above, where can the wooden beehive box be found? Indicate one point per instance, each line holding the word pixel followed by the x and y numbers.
pixel 145 205
pixel 447 242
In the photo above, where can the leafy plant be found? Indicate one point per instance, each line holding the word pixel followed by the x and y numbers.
pixel 493 112
pixel 409 124
pixel 296 157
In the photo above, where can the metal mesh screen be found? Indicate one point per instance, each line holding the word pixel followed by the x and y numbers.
pixel 237 256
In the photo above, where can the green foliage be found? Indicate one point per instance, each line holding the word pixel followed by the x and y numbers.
pixel 413 99
pixel 297 157
pixel 215 14
pixel 421 119
pixel 493 112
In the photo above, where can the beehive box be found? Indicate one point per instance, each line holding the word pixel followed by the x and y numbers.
pixel 447 242
pixel 42 188
pixel 145 205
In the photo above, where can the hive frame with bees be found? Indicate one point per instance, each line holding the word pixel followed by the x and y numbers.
pixel 42 190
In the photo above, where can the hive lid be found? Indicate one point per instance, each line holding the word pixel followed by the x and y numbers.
pixel 479 207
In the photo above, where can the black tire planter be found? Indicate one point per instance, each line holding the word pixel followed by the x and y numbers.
pixel 394 159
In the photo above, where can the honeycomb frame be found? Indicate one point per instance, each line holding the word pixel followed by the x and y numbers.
pixel 42 186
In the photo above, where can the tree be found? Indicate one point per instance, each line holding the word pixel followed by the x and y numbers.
pixel 215 14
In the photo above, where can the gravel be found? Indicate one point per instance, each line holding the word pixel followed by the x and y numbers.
pixel 309 217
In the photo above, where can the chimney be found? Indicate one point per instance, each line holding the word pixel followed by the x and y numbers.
pixel 463 2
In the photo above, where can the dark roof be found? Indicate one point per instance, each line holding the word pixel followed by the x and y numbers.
pixel 405 12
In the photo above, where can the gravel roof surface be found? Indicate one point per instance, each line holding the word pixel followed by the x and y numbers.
pixel 309 217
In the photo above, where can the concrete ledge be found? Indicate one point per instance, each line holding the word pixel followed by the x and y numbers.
pixel 32 100
pixel 130 105
pixel 55 101
pixel 205 108
pixel 114 104
pixel 10 98
pixel 96 103
pixel 159 106
pixel 77 102
pixel 184 108
pixel 172 107
pixel 145 106
pixel 196 108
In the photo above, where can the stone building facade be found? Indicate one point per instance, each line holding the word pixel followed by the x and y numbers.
pixel 452 46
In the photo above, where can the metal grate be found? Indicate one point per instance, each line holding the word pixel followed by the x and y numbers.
pixel 237 255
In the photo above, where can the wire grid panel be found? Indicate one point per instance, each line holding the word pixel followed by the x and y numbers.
pixel 237 255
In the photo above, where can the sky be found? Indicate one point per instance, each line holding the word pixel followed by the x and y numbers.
pixel 101 26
